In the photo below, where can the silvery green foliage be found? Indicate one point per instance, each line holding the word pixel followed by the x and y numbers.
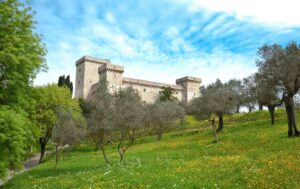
pixel 164 115
pixel 281 66
pixel 69 130
pixel 216 97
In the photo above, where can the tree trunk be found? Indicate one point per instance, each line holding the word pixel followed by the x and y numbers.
pixel 159 133
pixel 260 106
pixel 249 109
pixel 121 151
pixel 272 115
pixel 104 155
pixel 56 155
pixel 214 130
pixel 221 124
pixel 43 149
pixel 121 147
pixel 101 146
pixel 238 109
pixel 290 111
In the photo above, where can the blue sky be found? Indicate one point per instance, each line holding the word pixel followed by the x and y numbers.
pixel 162 40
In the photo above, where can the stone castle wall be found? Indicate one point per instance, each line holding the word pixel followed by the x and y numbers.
pixel 89 71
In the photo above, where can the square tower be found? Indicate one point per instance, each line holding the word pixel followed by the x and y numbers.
pixel 87 74
pixel 113 75
pixel 191 87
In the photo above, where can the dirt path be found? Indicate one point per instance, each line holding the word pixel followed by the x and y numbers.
pixel 29 163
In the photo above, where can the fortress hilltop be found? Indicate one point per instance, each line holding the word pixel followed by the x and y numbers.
pixel 90 70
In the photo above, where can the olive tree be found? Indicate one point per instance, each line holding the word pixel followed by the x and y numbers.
pixel 164 115
pixel 267 94
pixel 69 130
pixel 129 113
pixel 236 86
pixel 100 117
pixel 217 98
pixel 282 66
pixel 249 92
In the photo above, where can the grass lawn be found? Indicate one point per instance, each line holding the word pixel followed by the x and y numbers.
pixel 251 154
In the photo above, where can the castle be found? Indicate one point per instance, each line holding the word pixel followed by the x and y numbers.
pixel 90 70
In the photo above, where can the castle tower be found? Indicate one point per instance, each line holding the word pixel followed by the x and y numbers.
pixel 113 75
pixel 87 74
pixel 191 87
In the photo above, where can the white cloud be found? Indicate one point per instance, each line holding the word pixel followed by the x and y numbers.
pixel 218 64
pixel 143 58
pixel 277 13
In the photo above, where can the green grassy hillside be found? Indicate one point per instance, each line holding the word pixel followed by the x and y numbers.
pixel 251 154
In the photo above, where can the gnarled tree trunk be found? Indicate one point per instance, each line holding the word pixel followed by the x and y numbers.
pixel 101 145
pixel 272 114
pixel 291 117
pixel 221 123
pixel 122 149
pixel 260 106
pixel 214 130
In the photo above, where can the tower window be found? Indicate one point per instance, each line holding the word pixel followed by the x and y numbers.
pixel 78 82
pixel 79 70
pixel 144 90
pixel 90 81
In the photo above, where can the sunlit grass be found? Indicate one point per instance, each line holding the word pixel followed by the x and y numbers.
pixel 251 154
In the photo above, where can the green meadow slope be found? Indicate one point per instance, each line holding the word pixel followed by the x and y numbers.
pixel 251 154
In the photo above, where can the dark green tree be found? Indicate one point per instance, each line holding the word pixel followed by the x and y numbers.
pixel 167 94
pixel 65 81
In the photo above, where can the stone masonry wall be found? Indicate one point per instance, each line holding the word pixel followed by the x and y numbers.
pixel 90 70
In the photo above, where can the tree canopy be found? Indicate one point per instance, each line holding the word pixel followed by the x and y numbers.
pixel 217 98
pixel 50 99
pixel 21 50
pixel 281 66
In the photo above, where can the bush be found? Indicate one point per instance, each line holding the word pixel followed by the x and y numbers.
pixel 15 135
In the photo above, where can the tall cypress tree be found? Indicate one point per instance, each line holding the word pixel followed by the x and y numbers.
pixel 65 81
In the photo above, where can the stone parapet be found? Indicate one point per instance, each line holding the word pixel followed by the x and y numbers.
pixel 111 67
pixel 92 59
pixel 189 79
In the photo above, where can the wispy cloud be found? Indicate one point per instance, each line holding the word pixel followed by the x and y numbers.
pixel 157 40
pixel 277 13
